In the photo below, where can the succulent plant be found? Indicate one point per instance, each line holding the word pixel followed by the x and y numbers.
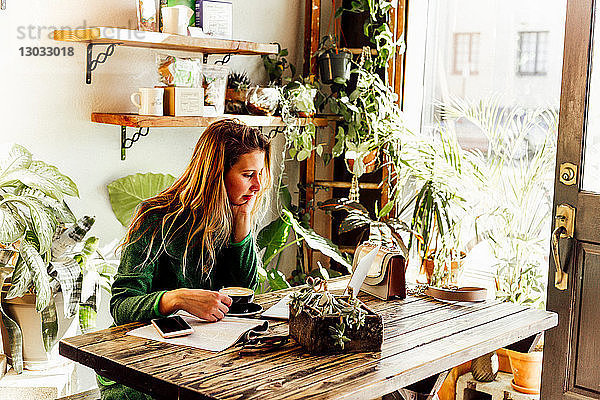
pixel 238 81
pixel 317 299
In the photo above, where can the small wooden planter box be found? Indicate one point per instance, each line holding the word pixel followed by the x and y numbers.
pixel 312 333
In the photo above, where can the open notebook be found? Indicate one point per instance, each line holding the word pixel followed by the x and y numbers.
pixel 212 336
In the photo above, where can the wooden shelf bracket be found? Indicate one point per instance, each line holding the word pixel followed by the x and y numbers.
pixel 92 63
pixel 127 143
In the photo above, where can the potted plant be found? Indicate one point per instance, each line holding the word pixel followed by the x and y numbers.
pixel 238 85
pixel 325 323
pixel 333 63
pixel 376 26
pixel 276 65
pixel 301 95
pixel 35 223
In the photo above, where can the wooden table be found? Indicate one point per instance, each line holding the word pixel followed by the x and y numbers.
pixel 422 337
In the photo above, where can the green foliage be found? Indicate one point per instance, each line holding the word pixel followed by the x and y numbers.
pixel 127 193
pixel 275 238
pixel 318 301
pixel 32 208
pixel 376 27
pixel 512 204
pixel 99 271
pixel 276 65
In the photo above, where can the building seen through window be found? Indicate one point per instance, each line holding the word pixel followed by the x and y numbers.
pixel 466 53
pixel 532 55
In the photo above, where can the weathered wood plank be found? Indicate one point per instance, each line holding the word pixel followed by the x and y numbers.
pixel 419 363
pixel 353 380
pixel 399 336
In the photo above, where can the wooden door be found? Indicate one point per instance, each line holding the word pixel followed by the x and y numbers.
pixel 571 368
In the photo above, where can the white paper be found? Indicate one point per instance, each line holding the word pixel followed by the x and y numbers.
pixel 360 273
pixel 280 310
pixel 212 336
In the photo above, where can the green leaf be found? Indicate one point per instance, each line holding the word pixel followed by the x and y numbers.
pixel 21 280
pixel 12 225
pixel 49 325
pixel 127 193
pixel 41 280
pixel 41 220
pixel 353 221
pixel 285 197
pixel 386 209
pixel 61 210
pixel 273 237
pixel 14 157
pixel 277 280
pixel 87 318
pixel 32 179
pixel 51 173
pixel 43 223
pixel 316 241
pixel 303 155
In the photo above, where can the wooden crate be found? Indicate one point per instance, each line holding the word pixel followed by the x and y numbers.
pixel 312 333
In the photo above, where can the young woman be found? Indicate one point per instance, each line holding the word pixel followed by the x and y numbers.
pixel 196 236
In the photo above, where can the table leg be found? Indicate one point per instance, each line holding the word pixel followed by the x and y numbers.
pixel 425 389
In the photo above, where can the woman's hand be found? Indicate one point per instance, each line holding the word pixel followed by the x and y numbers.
pixel 205 304
pixel 242 219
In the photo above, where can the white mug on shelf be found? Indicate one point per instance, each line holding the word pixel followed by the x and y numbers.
pixel 176 19
pixel 150 101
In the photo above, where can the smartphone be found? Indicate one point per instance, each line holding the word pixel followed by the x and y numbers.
pixel 173 326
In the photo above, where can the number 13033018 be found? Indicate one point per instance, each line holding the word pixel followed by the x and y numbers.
pixel 47 51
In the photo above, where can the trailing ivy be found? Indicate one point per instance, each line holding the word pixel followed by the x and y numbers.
pixel 376 27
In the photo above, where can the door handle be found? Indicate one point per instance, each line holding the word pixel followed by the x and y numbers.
pixel 564 229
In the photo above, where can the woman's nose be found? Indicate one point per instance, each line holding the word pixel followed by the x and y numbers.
pixel 255 185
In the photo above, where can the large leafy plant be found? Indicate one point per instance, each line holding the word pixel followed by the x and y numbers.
pixel 32 212
pixel 276 237
pixel 512 204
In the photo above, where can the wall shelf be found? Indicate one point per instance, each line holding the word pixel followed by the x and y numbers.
pixel 149 121
pixel 143 123
pixel 111 37
pixel 164 41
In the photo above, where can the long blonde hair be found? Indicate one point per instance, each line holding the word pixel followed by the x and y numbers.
pixel 197 201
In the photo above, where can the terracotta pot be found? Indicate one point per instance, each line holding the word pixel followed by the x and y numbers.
pixel 236 95
pixel 22 311
pixel 503 361
pixel 527 370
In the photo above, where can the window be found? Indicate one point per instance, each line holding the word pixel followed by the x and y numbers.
pixel 466 53
pixel 533 53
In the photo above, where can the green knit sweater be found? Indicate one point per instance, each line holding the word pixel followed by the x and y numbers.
pixel 143 278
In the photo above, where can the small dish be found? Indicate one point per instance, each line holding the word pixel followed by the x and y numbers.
pixel 524 389
pixel 245 310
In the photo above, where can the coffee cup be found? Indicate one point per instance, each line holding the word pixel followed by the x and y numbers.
pixel 149 101
pixel 239 295
pixel 176 19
